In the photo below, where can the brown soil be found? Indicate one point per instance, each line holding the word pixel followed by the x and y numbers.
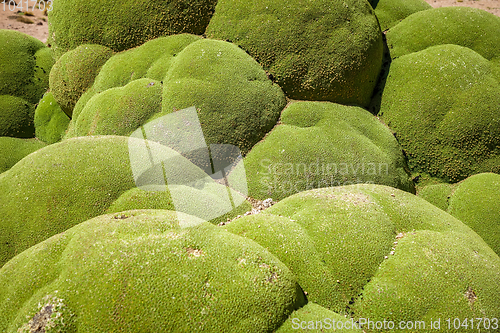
pixel 13 18
pixel 492 6
pixel 9 19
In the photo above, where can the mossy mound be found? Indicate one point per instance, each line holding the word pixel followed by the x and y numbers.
pixel 437 194
pixel 315 51
pixel 144 271
pixel 321 144
pixel 74 72
pixel 50 121
pixel 474 201
pixel 121 110
pixel 237 104
pixel 314 318
pixel 372 251
pixel 16 117
pixel 12 150
pixel 443 103
pixel 25 64
pixel 125 25
pixel 391 12
pixel 468 27
pixel 68 182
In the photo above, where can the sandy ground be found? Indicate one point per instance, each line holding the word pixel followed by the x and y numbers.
pixel 39 28
pixel 11 18
pixel 492 6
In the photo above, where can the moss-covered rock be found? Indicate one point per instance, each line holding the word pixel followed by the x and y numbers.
pixel 144 271
pixel 16 117
pixel 391 12
pixel 319 50
pixel 372 251
pixel 12 150
pixel 314 318
pixel 321 144
pixel 474 201
pixel 25 64
pixel 443 103
pixel 68 182
pixel 468 27
pixel 124 25
pixel 50 121
pixel 74 72
pixel 237 104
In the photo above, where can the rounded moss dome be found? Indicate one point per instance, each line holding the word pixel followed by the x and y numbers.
pixel 474 201
pixel 443 103
pixel 66 183
pixel 74 72
pixel 322 50
pixel 390 12
pixel 121 26
pixel 145 271
pixel 468 27
pixel 25 63
pixel 236 103
pixel 50 121
pixel 372 251
pixel 12 150
pixel 322 144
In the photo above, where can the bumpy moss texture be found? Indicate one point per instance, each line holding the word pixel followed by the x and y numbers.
pixel 321 144
pixel 371 251
pixel 237 104
pixel 66 183
pixel 121 26
pixel 74 72
pixel 391 12
pixel 315 318
pixel 25 64
pixel 443 103
pixel 16 117
pixel 468 27
pixel 50 121
pixel 321 50
pixel 474 201
pixel 12 150
pixel 142 271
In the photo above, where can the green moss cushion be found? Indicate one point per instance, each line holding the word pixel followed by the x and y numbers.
pixel 25 63
pixel 474 201
pixel 74 72
pixel 16 117
pixel 371 251
pixel 66 183
pixel 438 194
pixel 50 121
pixel 468 27
pixel 314 318
pixel 237 104
pixel 315 51
pixel 12 150
pixel 321 144
pixel 143 271
pixel 391 12
pixel 124 25
pixel 443 103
